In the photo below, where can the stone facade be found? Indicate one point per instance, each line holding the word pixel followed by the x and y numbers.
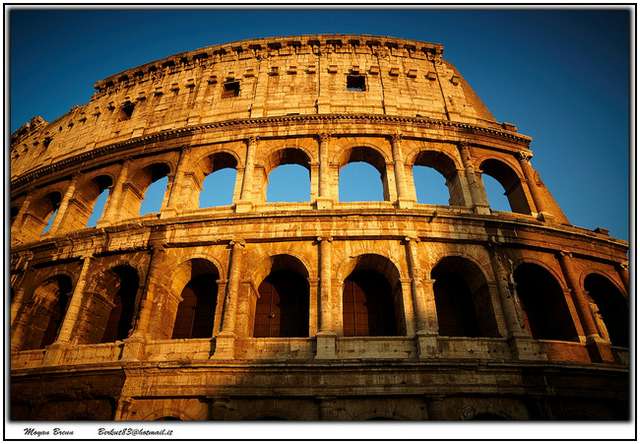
pixel 401 310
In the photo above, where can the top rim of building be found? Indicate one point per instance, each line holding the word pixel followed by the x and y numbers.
pixel 436 49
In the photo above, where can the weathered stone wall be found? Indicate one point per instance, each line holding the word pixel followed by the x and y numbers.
pixel 416 110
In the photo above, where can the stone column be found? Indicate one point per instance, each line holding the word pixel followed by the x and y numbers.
pixel 217 324
pixel 174 187
pixel 419 302
pixel 538 199
pixel 326 323
pixel 326 337
pixel 314 291
pixel 478 197
pixel 623 271
pixel 465 188
pixel 424 303
pixel 404 201
pixel 75 303
pixel 16 227
pixel 16 284
pixel 64 204
pixel 146 305
pixel 389 190
pixel 523 346
pixel 134 348
pixel 324 199
pixel 225 342
pixel 18 300
pixel 314 181
pixel 55 352
pixel 513 319
pixel 112 205
pixel 246 197
pixel 428 341
pixel 408 307
pixel 599 349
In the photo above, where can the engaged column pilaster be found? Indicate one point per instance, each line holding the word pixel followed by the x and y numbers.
pixel 599 348
pixel 324 200
pixel 404 201
pixel 225 342
pixel 246 195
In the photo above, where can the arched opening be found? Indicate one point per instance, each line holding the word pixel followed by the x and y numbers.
pixel 363 176
pixel 510 182
pixel 430 186
pixel 282 306
pixel 372 299
pixel 611 310
pixel 495 194
pixel 153 197
pixel 543 300
pixel 463 301
pixel 41 215
pixel 110 305
pixel 95 194
pixel 145 192
pixel 429 170
pixel 196 310
pixel 219 178
pixel 289 177
pixel 46 313
pixel 87 205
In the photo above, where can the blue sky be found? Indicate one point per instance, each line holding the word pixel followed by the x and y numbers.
pixel 562 76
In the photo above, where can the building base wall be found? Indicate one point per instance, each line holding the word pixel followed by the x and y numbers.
pixel 331 392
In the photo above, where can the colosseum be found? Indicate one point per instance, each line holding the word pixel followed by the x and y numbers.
pixel 317 310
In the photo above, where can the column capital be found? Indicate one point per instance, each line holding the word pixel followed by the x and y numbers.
pixel 324 238
pixel 251 140
pixel 524 155
pixel 239 242
pixel 324 137
pixel 396 137
pixel 409 239
pixel 564 253
pixel 623 265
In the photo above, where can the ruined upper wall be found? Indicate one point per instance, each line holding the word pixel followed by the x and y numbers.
pixel 274 77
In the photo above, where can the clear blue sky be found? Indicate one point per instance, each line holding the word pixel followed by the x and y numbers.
pixel 562 76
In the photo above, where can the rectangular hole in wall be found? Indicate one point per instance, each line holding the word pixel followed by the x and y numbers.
pixel 231 89
pixel 356 83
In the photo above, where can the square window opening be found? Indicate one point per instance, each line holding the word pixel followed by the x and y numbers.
pixel 127 110
pixel 356 83
pixel 231 89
